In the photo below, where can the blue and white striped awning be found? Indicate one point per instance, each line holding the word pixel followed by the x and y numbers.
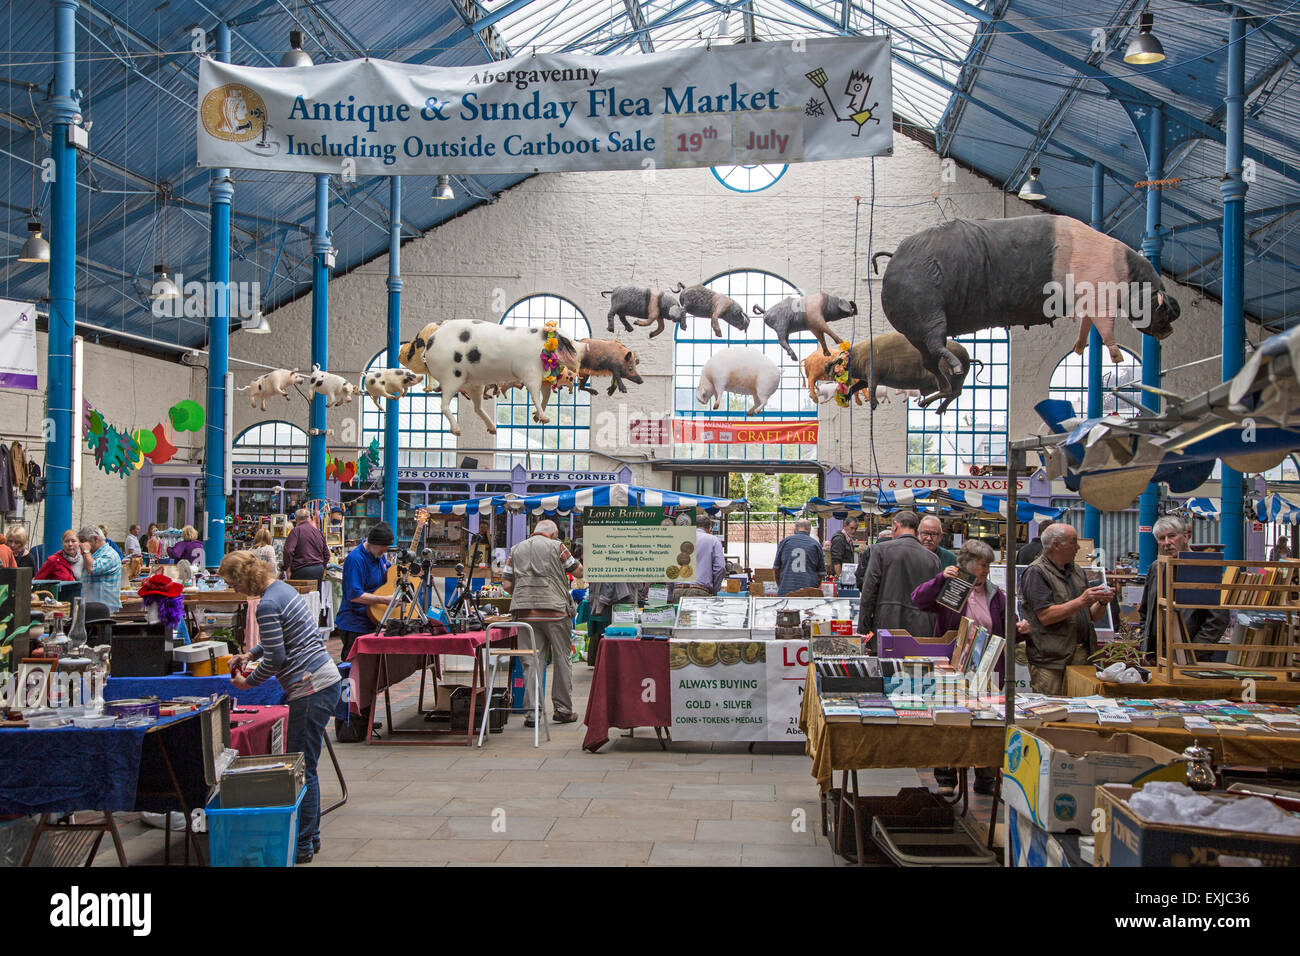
pixel 1273 507
pixel 471 506
pixel 658 498
pixel 575 499
pixel 1202 507
pixel 929 499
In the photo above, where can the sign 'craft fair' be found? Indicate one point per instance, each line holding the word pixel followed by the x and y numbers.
pixel 734 105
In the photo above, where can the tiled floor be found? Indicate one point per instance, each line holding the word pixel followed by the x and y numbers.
pixel 511 804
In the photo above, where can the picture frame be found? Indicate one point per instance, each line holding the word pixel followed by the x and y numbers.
pixel 32 688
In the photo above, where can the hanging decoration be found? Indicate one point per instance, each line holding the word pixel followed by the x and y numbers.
pixel 841 375
pixel 116 450
pixel 164 451
pixel 186 416
pixel 367 462
pixel 550 361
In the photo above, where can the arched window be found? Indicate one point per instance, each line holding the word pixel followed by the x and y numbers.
pixel 423 440
pixel 749 179
pixel 696 343
pixel 563 443
pixel 973 431
pixel 279 443
pixel 1070 382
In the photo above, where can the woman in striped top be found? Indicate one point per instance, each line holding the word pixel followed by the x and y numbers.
pixel 292 651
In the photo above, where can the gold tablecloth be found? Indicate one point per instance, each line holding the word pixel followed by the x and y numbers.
pixel 1082 681
pixel 849 746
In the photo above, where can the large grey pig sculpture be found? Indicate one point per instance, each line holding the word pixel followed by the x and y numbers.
pixel 973 274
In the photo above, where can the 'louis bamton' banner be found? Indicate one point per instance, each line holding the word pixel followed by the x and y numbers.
pixel 766 103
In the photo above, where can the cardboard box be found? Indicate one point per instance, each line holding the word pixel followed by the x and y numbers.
pixel 1051 775
pixel 1129 840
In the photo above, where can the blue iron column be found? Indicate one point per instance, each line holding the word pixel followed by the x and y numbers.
pixel 1233 188
pixel 1151 244
pixel 220 192
pixel 1091 516
pixel 394 343
pixel 320 352
pixel 63 267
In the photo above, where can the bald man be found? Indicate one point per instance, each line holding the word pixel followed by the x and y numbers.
pixel 305 551
pixel 536 577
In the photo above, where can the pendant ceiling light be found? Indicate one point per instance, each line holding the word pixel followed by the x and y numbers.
pixel 256 323
pixel 35 249
pixel 1144 49
pixel 1033 190
pixel 443 189
pixel 163 285
pixel 296 56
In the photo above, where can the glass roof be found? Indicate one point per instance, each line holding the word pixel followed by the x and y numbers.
pixel 929 34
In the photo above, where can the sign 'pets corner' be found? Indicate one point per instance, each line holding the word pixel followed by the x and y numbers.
pixel 734 105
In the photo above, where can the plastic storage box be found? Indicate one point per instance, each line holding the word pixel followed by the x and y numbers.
pixel 252 836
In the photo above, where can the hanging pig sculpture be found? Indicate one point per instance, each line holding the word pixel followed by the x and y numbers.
pixel 798 313
pixel 470 354
pixel 647 306
pixel 388 383
pixel 741 372
pixel 897 364
pixel 336 389
pixel 411 355
pixel 704 303
pixel 973 274
pixel 600 357
pixel 273 383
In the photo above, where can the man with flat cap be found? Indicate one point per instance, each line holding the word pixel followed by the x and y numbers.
pixel 364 570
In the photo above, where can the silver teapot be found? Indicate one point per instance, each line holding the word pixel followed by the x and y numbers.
pixel 1200 767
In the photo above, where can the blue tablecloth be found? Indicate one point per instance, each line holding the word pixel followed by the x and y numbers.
pixel 179 685
pixel 68 768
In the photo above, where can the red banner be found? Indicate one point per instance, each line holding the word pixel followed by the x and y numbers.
pixel 700 431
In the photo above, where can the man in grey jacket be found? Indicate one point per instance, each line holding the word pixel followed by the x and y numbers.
pixel 895 569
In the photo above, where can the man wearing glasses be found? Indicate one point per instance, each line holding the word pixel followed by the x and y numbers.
pixel 930 534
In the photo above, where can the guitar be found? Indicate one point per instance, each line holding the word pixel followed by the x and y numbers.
pixel 376 611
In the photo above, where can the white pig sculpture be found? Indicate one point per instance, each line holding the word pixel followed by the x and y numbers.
pixel 272 383
pixel 471 353
pixel 336 389
pixel 741 372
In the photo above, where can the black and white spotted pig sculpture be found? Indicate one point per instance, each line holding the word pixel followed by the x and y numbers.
pixel 647 306
pixel 600 357
pixel 704 303
pixel 470 354
pixel 811 313
pixel 973 274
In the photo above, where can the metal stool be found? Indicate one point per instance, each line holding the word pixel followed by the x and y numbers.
pixel 496 655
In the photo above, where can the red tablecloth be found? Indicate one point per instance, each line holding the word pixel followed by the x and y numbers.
pixel 251 727
pixel 617 691
pixel 404 655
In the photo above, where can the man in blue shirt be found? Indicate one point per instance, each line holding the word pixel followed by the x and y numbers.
pixel 800 562
pixel 101 577
pixel 364 570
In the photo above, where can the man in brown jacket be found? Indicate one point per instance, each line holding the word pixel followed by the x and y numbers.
pixel 536 578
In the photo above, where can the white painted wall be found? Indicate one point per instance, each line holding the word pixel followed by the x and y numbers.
pixel 574 234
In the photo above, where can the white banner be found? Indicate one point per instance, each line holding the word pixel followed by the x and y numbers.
pixel 17 345
pixel 719 689
pixel 730 105
pixel 787 673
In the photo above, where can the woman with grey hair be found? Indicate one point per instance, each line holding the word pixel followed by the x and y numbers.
pixel 986 605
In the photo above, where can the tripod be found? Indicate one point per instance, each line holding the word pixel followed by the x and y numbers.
pixel 405 603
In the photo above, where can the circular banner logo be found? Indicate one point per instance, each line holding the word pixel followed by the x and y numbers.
pixel 228 113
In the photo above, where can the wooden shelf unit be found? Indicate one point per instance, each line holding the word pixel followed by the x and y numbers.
pixel 1170 633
